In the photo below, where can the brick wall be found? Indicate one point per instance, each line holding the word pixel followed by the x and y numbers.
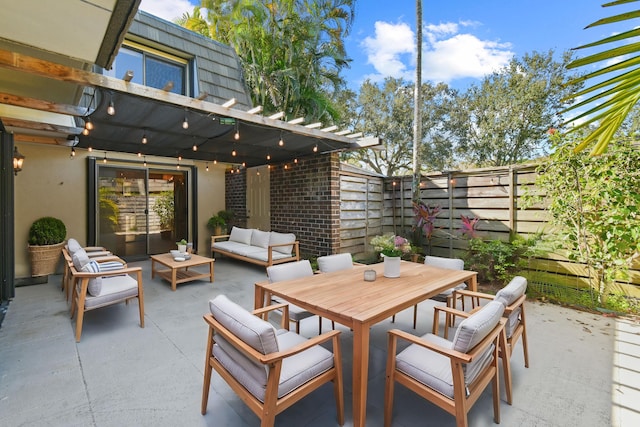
pixel 236 195
pixel 305 200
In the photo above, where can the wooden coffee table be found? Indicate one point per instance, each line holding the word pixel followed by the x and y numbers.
pixel 178 271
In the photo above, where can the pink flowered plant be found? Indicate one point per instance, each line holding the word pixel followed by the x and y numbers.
pixel 426 217
pixel 469 226
pixel 390 245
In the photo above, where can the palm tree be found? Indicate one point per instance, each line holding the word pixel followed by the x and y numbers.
pixel 614 97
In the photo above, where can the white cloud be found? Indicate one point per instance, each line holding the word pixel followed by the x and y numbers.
pixel 448 53
pixel 166 9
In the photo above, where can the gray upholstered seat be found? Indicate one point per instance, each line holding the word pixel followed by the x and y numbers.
pixel 450 374
pixel 337 262
pixel 290 271
pixel 255 359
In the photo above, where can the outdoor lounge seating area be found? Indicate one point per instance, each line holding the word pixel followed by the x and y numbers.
pixel 121 374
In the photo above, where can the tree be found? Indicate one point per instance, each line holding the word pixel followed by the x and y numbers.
pixel 594 205
pixel 504 119
pixel 292 52
pixel 614 97
pixel 386 111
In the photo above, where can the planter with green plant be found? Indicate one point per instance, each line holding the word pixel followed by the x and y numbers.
pixel 46 239
pixel 164 208
pixel 228 217
pixel 216 224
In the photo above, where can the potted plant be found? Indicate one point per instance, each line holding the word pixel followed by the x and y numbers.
pixel 46 239
pixel 182 246
pixel 164 208
pixel 215 224
pixel 227 216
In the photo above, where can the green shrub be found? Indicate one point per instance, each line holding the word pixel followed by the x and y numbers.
pixel 47 231
pixel 497 261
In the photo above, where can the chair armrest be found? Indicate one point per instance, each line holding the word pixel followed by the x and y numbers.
pixel 394 334
pixel 473 294
pixel 284 320
pixel 120 272
pixel 220 236
pixel 450 312
pixel 94 248
pixel 517 303
pixel 319 339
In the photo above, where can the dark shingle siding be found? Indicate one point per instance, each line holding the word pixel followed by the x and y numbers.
pixel 218 66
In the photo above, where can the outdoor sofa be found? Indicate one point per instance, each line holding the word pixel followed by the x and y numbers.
pixel 264 248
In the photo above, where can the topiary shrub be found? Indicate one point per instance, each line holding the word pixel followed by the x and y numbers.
pixel 47 231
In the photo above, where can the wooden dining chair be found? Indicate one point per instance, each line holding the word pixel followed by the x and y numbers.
pixel 449 374
pixel 268 369
pixel 290 271
pixel 512 297
pixel 447 295
pixel 336 262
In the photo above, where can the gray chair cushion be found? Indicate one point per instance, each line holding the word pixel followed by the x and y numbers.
pixel 289 271
pixel 80 258
pixel 257 333
pixel 514 290
pixel 336 262
pixel 116 288
pixel 448 263
pixel 73 246
pixel 433 369
pixel 296 370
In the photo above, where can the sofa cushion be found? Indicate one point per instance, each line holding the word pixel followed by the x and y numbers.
pixel 241 235
pixel 279 238
pixel 80 258
pixel 95 283
pixel 73 246
pixel 260 238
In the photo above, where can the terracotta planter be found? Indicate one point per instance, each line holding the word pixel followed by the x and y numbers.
pixel 44 259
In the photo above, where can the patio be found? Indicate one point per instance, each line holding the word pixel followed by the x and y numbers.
pixel 584 367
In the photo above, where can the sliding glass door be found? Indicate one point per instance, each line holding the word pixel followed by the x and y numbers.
pixel 140 211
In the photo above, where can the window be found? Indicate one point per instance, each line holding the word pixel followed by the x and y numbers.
pixel 150 67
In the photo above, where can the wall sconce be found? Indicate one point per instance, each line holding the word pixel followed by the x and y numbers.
pixel 18 160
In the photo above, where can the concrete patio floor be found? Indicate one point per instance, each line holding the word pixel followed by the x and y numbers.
pixel 584 368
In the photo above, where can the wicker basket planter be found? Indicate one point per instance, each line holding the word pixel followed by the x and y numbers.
pixel 44 259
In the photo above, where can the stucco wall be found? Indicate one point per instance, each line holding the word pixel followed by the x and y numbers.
pixel 53 184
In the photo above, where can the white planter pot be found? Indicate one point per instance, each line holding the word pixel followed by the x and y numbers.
pixel 182 248
pixel 392 266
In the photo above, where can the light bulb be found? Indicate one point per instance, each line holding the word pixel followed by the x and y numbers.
pixel 315 148
pixel 85 131
pixel 185 124
pixel 281 142
pixel 111 109
pixel 144 138
pixel 233 153
pixel 236 136
pixel 88 125
pixel 195 147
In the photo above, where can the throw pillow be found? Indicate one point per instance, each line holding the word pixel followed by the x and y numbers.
pixel 73 246
pixel 240 235
pixel 80 259
pixel 260 238
pixel 278 238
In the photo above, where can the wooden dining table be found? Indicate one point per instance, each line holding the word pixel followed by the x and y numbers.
pixel 345 297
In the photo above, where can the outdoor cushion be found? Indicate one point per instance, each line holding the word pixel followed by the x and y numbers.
pixel 95 283
pixel 514 290
pixel 240 235
pixel 448 263
pixel 257 333
pixel 296 370
pixel 263 255
pixel 260 238
pixel 289 271
pixel 80 258
pixel 114 288
pixel 73 246
pixel 337 262
pixel 475 327
pixel 279 238
pixel 111 266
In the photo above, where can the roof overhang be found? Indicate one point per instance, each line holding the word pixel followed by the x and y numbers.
pixel 47 51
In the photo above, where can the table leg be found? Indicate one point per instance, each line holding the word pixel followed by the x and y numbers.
pixel 473 283
pixel 211 271
pixel 153 268
pixel 258 297
pixel 174 272
pixel 360 372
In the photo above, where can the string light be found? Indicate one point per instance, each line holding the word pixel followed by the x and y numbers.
pixel 88 124
pixel 111 109
pixel 139 154
pixel 207 168
pixel 233 153
pixel 244 165
pixel 85 131
pixel 185 123
pixel 144 163
pixel 90 148
pixel 295 160
pixel 73 152
pixel 315 148
pixel 195 147
pixel 268 156
pixel 237 134
pixel 281 142
pixel 215 162
pixel 105 158
pixel 144 138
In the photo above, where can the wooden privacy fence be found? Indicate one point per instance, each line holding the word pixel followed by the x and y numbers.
pixel 371 204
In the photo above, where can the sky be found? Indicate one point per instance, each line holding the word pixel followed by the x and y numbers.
pixel 464 40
